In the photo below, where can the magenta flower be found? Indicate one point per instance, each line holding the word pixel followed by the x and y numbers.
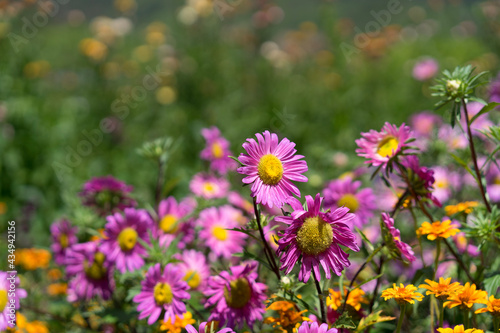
pixel 195 269
pixel 346 193
pixel 91 273
pixel 63 237
pixel 313 327
pixel 10 294
pixel 421 178
pixel 236 296
pixel 315 237
pixel 162 291
pixel 271 167
pixel 203 327
pixel 425 69
pixel 173 223
pixel 122 232
pixel 403 248
pixel 107 195
pixel 208 186
pixel 214 222
pixel 380 147
pixel 217 151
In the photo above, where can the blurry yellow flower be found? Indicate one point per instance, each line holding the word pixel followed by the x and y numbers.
pixel 492 306
pixel 93 49
pixel 165 95
pixel 466 297
pixel 56 289
pixel 36 69
pixel 442 289
pixel 402 294
pixel 438 229
pixel 289 317
pixel 355 299
pixel 36 327
pixel 143 53
pixel 54 274
pixel 3 208
pixel 462 207
pixel 32 259
pixel 155 38
pixel 459 329
pixel 179 324
pixel 125 6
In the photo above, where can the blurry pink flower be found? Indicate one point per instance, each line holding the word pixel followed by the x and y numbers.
pixel 425 69
pixel 208 186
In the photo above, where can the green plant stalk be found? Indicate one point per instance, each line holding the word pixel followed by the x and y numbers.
pixel 401 317
pixel 496 324
pixel 419 238
pixel 436 260
pixel 466 318
pixel 320 296
pixel 441 314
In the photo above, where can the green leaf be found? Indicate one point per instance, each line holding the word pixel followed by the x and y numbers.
pixel 236 159
pixel 463 164
pixel 369 244
pixel 485 109
pixel 247 255
pixel 372 319
pixel 368 280
pixel 492 284
pixel 344 321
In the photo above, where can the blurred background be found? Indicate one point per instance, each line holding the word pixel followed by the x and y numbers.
pixel 83 84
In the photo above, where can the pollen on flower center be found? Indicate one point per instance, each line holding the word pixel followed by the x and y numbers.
pixel 127 239
pixel 349 200
pixel 314 236
pixel 3 300
pixel 270 169
pixel 217 150
pixel 96 270
pixel 192 278
pixel 387 147
pixel 220 233
pixel 169 224
pixel 163 293
pixel 63 240
pixel 239 293
pixel 209 187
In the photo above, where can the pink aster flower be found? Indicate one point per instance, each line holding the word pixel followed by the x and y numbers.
pixel 237 298
pixel 122 232
pixel 403 248
pixel 107 195
pixel 315 238
pixel 217 151
pixel 90 272
pixel 481 123
pixel 208 186
pixel 173 223
pixel 162 291
pixel 271 167
pixel 452 137
pixel 424 123
pixel 494 89
pixel 446 181
pixel 195 268
pixel 347 193
pixel 237 200
pixel 203 326
pixel 422 179
pixel 10 293
pixel 214 222
pixel 493 182
pixel 313 327
pixel 425 69
pixel 463 245
pixel 380 147
pixel 63 237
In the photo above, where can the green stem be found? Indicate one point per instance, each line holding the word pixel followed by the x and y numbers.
pixel 401 317
pixel 496 324
pixel 419 238
pixel 436 261
pixel 466 318
pixel 441 314
pixel 320 296
pixel 267 250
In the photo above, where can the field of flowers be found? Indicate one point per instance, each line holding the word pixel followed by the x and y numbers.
pixel 235 166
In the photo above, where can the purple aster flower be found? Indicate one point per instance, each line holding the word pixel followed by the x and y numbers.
pixel 403 248
pixel 10 293
pixel 162 291
pixel 271 166
pixel 122 232
pixel 421 179
pixel 203 327
pixel 91 274
pixel 217 151
pixel 425 69
pixel 314 327
pixel 107 195
pixel 63 237
pixel 237 298
pixel 173 222
pixel 208 186
pixel 347 193
pixel 315 237
pixel 195 269
pixel 380 147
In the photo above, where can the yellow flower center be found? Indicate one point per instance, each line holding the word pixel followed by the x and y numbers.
pixel 270 169
pixel 208 187
pixel 96 271
pixel 163 293
pixel 239 293
pixel 3 300
pixel 315 236
pixel 349 200
pixel 127 239
pixel 193 279
pixel 169 224
pixel 63 240
pixel 387 147
pixel 217 150
pixel 442 183
pixel 220 233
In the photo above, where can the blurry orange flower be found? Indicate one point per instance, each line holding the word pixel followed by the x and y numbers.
pixel 466 297
pixel 93 49
pixel 402 294
pixel 438 229
pixel 442 289
pixel 23 326
pixel 461 207
pixel 32 259
pixel 459 329
pixel 492 306
pixel 355 298
pixel 56 289
pixel 289 318
pixel 179 324
pixel 54 274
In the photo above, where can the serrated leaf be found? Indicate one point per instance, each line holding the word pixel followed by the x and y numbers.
pixel 344 321
pixel 485 109
pixel 372 319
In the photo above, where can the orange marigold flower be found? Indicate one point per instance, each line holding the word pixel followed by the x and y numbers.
pixel 442 289
pixel 438 229
pixel 289 318
pixel 402 294
pixel 355 299
pixel 54 274
pixel 32 259
pixel 179 324
pixel 459 329
pixel 56 289
pixel 466 297
pixel 492 306
pixel 462 207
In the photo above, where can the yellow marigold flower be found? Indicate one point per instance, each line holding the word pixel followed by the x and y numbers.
pixel 402 294
pixel 438 229
pixel 289 317
pixel 32 259
pixel 462 207
pixel 459 329
pixel 442 289
pixel 179 324
pixel 466 297
pixel 355 298
pixel 56 289
pixel 492 306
